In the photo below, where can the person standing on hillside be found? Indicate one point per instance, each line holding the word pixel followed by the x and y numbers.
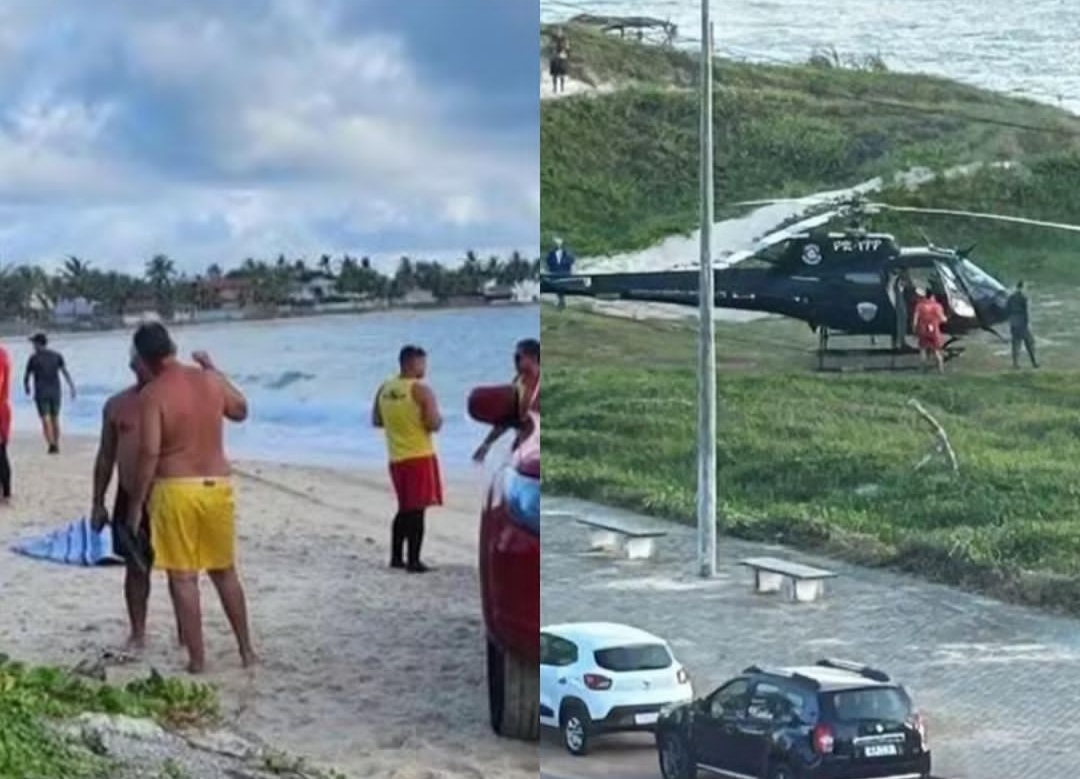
pixel 118 449
pixel 559 63
pixel 928 320
pixel 560 262
pixel 406 410
pixel 183 480
pixel 527 385
pixel 45 367
pixel 1020 326
pixel 5 425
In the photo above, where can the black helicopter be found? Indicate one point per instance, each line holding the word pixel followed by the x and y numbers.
pixel 846 282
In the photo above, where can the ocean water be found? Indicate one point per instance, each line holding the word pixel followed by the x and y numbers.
pixel 310 382
pixel 1028 48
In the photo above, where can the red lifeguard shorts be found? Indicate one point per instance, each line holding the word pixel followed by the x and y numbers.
pixel 417 482
pixel 931 342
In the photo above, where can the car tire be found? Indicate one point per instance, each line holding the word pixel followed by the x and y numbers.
pixel 676 761
pixel 513 695
pixel 575 727
pixel 781 771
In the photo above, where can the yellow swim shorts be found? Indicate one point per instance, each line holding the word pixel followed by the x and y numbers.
pixel 193 524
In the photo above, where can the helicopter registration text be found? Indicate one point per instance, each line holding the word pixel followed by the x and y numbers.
pixel 857 245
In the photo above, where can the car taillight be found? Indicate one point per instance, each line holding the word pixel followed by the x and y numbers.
pixel 597 682
pixel 823 740
pixel 918 721
pixel 522 496
pixel 682 677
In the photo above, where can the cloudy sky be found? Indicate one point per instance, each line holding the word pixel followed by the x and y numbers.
pixel 212 131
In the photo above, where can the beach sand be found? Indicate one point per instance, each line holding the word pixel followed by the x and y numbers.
pixel 370 671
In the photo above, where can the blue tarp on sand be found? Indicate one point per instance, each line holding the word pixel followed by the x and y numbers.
pixel 75 544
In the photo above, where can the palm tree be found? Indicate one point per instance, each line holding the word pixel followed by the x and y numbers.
pixel 160 273
pixel 74 277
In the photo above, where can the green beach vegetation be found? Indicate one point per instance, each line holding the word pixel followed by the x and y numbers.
pixel 823 462
pixel 34 701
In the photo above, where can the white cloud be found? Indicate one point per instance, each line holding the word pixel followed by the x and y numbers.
pixel 211 133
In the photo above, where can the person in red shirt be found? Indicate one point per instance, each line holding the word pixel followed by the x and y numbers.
pixel 928 320
pixel 5 424
pixel 527 385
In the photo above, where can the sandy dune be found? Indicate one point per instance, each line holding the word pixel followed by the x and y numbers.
pixel 374 672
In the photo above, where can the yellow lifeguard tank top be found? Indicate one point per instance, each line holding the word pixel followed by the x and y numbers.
pixel 403 421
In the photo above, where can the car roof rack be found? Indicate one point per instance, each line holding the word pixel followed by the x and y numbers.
pixel 865 671
pixel 784 674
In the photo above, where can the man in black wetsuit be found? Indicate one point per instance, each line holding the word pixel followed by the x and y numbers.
pixel 46 367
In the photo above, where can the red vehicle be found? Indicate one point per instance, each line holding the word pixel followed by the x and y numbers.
pixel 510 570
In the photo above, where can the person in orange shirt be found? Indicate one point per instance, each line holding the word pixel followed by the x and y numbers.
pixel 406 410
pixel 527 384
pixel 928 319
pixel 5 424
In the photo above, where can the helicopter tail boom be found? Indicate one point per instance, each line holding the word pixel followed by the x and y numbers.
pixel 736 288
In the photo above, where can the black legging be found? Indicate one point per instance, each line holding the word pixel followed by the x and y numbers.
pixel 407 535
pixel 5 471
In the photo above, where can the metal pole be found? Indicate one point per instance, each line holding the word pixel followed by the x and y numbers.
pixel 707 333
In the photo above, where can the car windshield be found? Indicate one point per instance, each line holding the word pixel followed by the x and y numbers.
pixel 872 703
pixel 979 280
pixel 522 494
pixel 639 657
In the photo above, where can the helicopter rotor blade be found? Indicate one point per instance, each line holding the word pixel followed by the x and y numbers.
pixel 978 215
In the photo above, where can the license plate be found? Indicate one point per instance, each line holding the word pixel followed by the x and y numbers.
pixel 881 750
pixel 646 719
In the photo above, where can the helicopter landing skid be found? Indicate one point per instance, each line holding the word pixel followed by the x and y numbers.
pixel 895 354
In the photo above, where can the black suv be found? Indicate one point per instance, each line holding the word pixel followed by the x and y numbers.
pixel 832 720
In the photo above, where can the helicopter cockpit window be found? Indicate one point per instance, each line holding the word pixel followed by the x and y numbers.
pixel 958 299
pixel 979 280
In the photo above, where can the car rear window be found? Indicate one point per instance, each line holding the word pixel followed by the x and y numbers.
pixel 639 657
pixel 872 703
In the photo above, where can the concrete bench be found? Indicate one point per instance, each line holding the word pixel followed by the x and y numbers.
pixel 634 543
pixel 806 583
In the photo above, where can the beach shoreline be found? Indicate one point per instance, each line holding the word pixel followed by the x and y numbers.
pixel 368 671
pixel 17 329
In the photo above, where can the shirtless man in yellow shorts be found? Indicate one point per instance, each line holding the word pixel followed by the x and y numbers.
pixel 183 478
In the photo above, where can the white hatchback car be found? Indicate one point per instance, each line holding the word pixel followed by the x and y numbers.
pixel 600 677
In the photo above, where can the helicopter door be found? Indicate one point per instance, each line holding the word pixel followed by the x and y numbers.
pixel 957 302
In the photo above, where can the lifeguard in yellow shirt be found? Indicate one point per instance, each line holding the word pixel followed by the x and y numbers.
pixel 406 409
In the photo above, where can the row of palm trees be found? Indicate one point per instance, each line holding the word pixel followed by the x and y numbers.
pixel 28 290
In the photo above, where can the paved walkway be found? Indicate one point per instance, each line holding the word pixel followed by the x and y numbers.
pixel 999 684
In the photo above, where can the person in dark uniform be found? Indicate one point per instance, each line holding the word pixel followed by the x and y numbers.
pixel 1020 326
pixel 119 449
pixel 559 63
pixel 45 367
pixel 559 262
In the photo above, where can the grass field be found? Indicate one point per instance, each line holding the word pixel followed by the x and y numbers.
pixel 825 461
pixel 822 461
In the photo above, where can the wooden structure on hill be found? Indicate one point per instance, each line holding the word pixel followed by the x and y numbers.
pixel 638 26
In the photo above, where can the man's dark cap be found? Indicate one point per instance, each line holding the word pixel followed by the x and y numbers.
pixel 39 339
pixel 153 343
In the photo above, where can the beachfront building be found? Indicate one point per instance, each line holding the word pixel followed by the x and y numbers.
pixel 309 287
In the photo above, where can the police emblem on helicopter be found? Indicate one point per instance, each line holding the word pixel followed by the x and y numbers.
pixel 867 311
pixel 811 254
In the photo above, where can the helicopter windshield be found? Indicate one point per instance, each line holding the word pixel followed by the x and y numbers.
pixel 979 281
pixel 958 301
